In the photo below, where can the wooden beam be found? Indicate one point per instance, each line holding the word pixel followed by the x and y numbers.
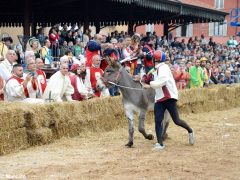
pixel 86 18
pixel 26 16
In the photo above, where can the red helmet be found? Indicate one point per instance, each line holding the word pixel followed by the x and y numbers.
pixel 159 56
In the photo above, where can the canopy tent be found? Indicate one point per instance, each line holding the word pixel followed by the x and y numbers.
pixel 102 13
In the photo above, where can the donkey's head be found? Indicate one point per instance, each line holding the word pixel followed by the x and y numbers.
pixel 112 72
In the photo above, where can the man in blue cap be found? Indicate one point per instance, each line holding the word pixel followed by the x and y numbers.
pixel 165 98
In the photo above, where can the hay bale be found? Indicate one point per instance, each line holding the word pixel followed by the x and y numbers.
pixel 42 124
pixel 90 116
pixel 11 141
pixel 12 117
pixel 40 136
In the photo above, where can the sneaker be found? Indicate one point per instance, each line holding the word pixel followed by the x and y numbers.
pixel 158 146
pixel 191 138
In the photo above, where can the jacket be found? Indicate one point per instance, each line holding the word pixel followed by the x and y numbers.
pixel 164 84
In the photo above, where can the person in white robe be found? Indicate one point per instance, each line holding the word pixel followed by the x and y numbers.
pixel 33 86
pixel 59 87
pixel 6 65
pixel 16 87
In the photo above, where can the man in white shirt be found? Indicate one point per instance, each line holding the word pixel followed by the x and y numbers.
pixel 59 87
pixel 6 66
pixel 16 87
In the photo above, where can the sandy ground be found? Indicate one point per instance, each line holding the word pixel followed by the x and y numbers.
pixel 216 154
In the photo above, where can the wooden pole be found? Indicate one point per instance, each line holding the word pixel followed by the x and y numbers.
pixel 26 18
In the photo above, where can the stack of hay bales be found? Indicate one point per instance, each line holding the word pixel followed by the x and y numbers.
pixel 24 125
pixel 209 99
pixel 13 133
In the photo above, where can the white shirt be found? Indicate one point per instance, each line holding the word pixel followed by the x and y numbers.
pixel 31 91
pixel 60 88
pixel 14 91
pixel 163 77
pixel 83 87
pixel 6 69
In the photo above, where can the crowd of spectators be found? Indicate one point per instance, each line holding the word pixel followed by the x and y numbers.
pixel 79 62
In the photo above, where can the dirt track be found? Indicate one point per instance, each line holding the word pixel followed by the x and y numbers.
pixel 216 154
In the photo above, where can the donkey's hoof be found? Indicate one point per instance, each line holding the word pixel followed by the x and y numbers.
pixel 129 144
pixel 150 137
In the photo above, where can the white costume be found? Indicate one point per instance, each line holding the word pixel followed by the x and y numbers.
pixel 60 88
pixel 33 87
pixel 6 69
pixel 15 91
pixel 83 87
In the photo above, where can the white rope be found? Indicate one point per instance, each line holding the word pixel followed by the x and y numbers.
pixel 125 87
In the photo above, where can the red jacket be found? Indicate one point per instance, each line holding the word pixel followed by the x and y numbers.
pixel 53 38
pixel 148 59
pixel 76 95
pixel 92 48
pixel 93 79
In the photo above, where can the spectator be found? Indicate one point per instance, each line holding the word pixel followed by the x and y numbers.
pixel 34 45
pixel 77 49
pixel 59 87
pixel 6 66
pixel 3 51
pixel 81 92
pixel 181 76
pixel 41 37
pixel 33 86
pixel 148 50
pixel 19 52
pixel 2 84
pixel 41 76
pixel 228 78
pixel 196 75
pixel 94 75
pixel 64 48
pixel 46 52
pixel 17 87
pixel 211 42
pixel 93 48
pixel 8 41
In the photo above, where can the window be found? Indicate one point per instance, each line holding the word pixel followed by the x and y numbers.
pixel 218 29
pixel 149 28
pixel 219 4
pixel 184 31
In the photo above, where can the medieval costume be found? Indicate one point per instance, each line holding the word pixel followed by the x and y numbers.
pixel 59 88
pixel 6 69
pixel 92 48
pixel 93 78
pixel 42 81
pixel 16 91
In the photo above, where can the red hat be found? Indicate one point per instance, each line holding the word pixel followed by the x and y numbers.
pixel 159 56
pixel 74 67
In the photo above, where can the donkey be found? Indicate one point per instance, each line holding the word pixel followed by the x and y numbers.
pixel 134 97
